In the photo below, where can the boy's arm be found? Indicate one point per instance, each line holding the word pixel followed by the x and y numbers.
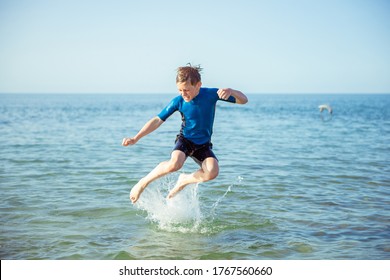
pixel 149 127
pixel 225 93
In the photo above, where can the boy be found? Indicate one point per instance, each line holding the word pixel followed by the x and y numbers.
pixel 197 108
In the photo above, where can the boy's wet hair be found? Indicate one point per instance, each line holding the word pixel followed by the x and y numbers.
pixel 189 73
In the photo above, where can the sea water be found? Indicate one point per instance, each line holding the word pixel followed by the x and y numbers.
pixel 294 183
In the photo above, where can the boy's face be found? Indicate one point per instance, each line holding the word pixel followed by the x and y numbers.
pixel 188 91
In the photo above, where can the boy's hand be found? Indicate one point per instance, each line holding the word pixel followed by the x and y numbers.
pixel 128 141
pixel 224 93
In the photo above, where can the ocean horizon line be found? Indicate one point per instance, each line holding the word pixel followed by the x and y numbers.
pixel 168 93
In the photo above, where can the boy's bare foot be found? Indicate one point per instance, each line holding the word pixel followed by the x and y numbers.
pixel 180 184
pixel 136 191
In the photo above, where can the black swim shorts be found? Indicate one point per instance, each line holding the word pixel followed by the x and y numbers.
pixel 197 152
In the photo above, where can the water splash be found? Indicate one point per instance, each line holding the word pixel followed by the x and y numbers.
pixel 181 213
pixel 216 203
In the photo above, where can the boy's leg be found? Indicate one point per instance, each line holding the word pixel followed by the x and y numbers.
pixel 175 163
pixel 209 170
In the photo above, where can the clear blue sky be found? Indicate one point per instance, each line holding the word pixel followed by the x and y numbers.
pixel 134 46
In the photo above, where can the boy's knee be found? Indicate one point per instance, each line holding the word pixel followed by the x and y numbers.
pixel 174 166
pixel 211 174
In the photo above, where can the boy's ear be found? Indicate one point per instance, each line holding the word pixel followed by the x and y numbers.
pixel 199 84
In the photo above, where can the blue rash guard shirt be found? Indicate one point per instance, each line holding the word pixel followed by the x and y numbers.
pixel 197 115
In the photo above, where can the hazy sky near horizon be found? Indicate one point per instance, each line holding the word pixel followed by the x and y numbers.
pixel 119 46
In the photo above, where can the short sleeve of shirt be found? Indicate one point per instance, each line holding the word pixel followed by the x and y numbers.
pixel 172 107
pixel 231 99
